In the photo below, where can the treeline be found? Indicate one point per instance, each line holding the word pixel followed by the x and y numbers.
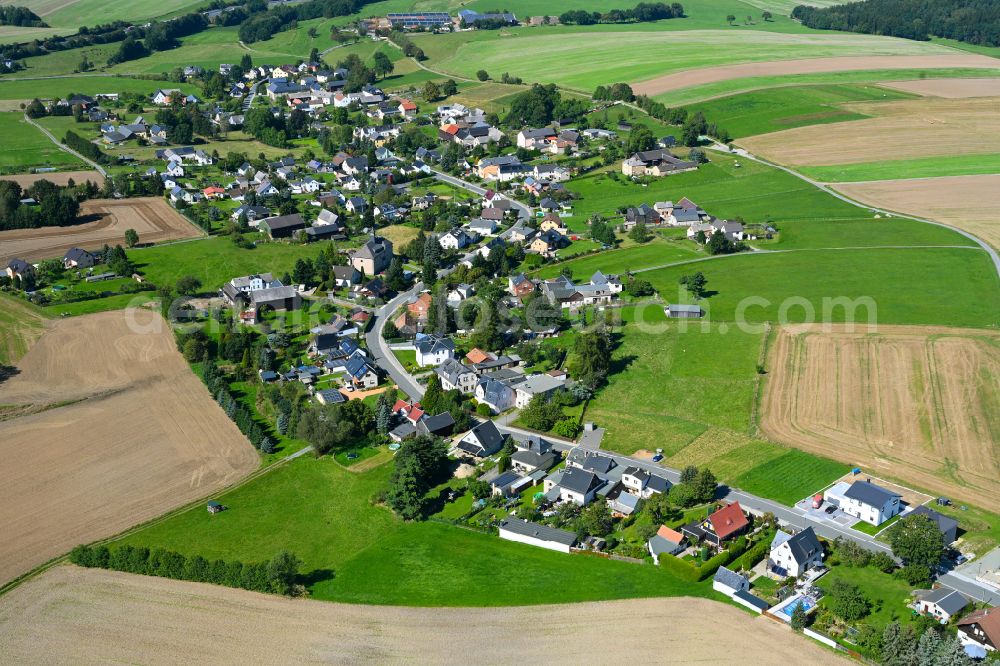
pixel 106 33
pixel 644 11
pixel 56 207
pixel 21 17
pixel 410 50
pixel 279 575
pixel 84 147
pixel 541 105
pixel 264 25
pixel 693 125
pixel 972 21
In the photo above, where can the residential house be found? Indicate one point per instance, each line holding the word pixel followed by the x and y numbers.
pixel 941 604
pixel 459 294
pixel 455 239
pixel 946 524
pixel 665 541
pixel 433 350
pixel 655 163
pixel 643 483
pixel 535 139
pixel 346 276
pixel 482 441
pixel 794 554
pixel 720 526
pixel 19 268
pixel 519 285
pixel 547 243
pixel 77 258
pixel 533 534
pixel 454 375
pixel 361 373
pixel 573 484
pixel 373 257
pixel 981 629
pixel 532 455
pixel 497 395
pixel 541 384
pixel 503 168
pixel 865 500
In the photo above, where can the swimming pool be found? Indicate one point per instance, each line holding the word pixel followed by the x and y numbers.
pixel 789 608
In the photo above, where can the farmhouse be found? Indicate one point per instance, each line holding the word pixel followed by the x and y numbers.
pixel 533 534
pixel 237 291
pixel 655 163
pixel 279 298
pixel 793 555
pixel 864 500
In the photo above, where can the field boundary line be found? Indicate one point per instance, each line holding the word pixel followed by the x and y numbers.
pixel 42 568
pixel 760 378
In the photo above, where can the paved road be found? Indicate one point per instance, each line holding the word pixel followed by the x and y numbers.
pixel 523 211
pixel 97 167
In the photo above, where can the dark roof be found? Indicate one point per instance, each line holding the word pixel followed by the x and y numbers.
pixel 868 493
pixel 332 396
pixel 594 462
pixel 804 545
pixel 946 524
pixel 534 530
pixel 285 221
pixel 489 437
pixel 729 578
pixel 505 479
pixel 947 599
pixel 439 423
pixel 756 602
pixel 580 480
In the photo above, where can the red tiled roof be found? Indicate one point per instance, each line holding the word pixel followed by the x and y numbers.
pixel 988 619
pixel 669 534
pixel 477 355
pixel 728 520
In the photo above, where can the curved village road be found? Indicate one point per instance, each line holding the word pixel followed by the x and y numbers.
pixel 63 147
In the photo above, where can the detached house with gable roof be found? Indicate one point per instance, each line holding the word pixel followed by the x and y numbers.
pixel 865 500
pixel 793 555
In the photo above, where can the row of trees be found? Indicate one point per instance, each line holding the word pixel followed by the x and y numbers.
pixel 542 104
pixel 279 575
pixel 158 36
pixel 263 25
pixel 644 11
pixel 972 21
pixel 241 415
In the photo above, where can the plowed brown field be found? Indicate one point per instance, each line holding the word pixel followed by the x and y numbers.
pixel 73 616
pixel 918 404
pixel 153 219
pixel 140 437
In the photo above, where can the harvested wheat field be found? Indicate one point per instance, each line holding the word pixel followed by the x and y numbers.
pixel 74 615
pixel 703 75
pixel 58 177
pixel 971 203
pixel 137 435
pixel 949 88
pixel 920 404
pixel 152 218
pixel 899 130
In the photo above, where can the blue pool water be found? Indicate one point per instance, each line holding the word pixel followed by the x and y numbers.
pixel 805 602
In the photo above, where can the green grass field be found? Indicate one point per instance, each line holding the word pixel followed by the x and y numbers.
pixel 924 167
pixel 359 553
pixel 12 34
pixel 20 325
pixel 710 91
pixel 782 108
pixel 83 84
pixel 905 286
pixel 805 216
pixel 25 147
pixel 654 253
pixel 791 476
pixel 585 58
pixel 61 14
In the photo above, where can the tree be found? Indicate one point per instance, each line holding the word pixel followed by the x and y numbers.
pixel 479 489
pixel 883 562
pixel 131 238
pixel 640 139
pixel 658 507
pixel 704 485
pixel 449 88
pixel 799 617
pixel 730 18
pixel 194 350
pixel 592 358
pixel 695 284
pixel 482 75
pixel 417 467
pixel 766 16
pixel 382 64
pixel 640 234
pixel 282 572
pixel 383 415
pixel 689 474
pixel 916 540
pixel 693 128
pixel 596 520
pixel 847 601
pixel 431 92
pixel 187 285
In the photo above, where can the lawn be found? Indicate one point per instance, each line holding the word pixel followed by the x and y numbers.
pixel 872 530
pixel 205 49
pixel 775 109
pixel 790 477
pixel 755 193
pixel 217 260
pixel 25 147
pixel 656 252
pixel 356 552
pixel 585 57
pixel 91 12
pixel 888 594
pixel 891 286
pixel 923 167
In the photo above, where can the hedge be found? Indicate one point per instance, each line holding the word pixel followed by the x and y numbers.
pixel 277 575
